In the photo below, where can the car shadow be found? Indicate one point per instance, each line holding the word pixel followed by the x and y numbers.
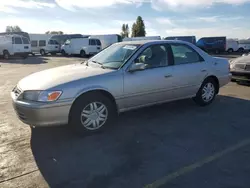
pixel 132 151
pixel 28 60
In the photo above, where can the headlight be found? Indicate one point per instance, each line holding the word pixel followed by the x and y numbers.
pixel 49 96
pixel 31 95
pixel 42 96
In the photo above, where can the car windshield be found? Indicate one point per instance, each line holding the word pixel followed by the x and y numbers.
pixel 114 56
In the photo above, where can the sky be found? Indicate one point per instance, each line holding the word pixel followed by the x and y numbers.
pixel 162 17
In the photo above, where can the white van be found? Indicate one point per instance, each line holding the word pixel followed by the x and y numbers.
pixel 108 39
pixel 81 46
pixel 41 43
pixel 232 45
pixel 14 45
pixel 244 45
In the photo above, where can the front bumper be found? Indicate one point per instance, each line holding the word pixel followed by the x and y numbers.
pixel 241 75
pixel 42 114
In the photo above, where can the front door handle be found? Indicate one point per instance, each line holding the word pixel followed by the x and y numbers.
pixel 168 76
pixel 204 70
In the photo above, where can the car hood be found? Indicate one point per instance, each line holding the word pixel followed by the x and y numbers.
pixel 56 76
pixel 242 59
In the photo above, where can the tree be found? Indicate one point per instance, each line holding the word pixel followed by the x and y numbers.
pixel 54 32
pixel 10 29
pixel 125 30
pixel 138 28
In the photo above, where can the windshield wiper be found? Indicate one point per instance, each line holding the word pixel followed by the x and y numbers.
pixel 96 62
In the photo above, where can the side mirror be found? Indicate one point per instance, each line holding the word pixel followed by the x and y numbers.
pixel 137 67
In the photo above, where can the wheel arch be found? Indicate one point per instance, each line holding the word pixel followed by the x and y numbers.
pixel 216 80
pixel 103 91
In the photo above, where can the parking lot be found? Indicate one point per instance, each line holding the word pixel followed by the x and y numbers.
pixel 173 145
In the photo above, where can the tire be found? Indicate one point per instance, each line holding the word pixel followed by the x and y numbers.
pixel 230 50
pixel 80 115
pixel 82 53
pixel 6 54
pixel 201 98
pixel 42 52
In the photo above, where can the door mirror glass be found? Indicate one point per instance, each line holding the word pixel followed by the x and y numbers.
pixel 137 67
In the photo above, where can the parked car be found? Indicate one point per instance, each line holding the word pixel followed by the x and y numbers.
pixel 191 39
pixel 14 45
pixel 232 45
pixel 122 77
pixel 240 68
pixel 81 46
pixel 212 44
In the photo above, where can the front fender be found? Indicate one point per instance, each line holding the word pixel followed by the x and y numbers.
pixel 92 88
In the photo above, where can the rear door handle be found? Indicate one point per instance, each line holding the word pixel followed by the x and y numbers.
pixel 168 76
pixel 204 70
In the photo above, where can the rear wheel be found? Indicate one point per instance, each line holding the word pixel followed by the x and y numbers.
pixel 207 92
pixel 6 54
pixel 91 113
pixel 42 52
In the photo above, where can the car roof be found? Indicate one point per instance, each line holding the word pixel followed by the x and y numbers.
pixel 142 42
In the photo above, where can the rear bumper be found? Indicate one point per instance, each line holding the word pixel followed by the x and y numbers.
pixel 224 80
pixel 241 75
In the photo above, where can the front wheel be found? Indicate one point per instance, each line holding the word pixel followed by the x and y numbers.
pixel 42 52
pixel 6 54
pixel 206 93
pixel 91 113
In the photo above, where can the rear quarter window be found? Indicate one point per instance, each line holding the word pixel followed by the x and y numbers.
pixel 34 43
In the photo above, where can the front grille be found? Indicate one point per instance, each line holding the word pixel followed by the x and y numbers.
pixel 17 91
pixel 247 67
pixel 240 66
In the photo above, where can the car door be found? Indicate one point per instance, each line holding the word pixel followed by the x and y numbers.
pixel 98 45
pixel 18 46
pixel 152 84
pixel 189 70
pixel 26 45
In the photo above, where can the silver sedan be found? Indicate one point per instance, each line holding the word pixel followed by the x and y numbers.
pixel 122 77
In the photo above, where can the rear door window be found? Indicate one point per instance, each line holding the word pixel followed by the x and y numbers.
pixel 18 40
pixel 184 54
